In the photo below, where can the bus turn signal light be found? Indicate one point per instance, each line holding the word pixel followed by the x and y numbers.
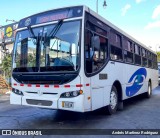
pixel 81 92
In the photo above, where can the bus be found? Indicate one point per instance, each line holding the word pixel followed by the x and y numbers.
pixel 73 59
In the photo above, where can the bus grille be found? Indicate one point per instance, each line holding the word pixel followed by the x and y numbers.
pixel 39 102
pixel 48 93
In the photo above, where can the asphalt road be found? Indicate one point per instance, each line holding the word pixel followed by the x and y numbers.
pixel 138 113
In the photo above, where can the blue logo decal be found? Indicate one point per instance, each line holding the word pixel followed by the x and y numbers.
pixel 136 82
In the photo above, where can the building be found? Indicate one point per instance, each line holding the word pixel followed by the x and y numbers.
pixel 7 35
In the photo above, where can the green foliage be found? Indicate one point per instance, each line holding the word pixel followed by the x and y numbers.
pixel 6 66
pixel 31 59
pixel 158 56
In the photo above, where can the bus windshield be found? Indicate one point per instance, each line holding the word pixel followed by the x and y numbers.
pixel 40 51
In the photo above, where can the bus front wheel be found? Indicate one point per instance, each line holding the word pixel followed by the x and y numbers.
pixel 112 107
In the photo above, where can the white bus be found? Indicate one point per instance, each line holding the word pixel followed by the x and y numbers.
pixel 73 59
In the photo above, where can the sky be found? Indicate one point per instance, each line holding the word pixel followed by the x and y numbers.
pixel 139 18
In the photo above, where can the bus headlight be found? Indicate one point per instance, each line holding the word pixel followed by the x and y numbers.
pixel 16 91
pixel 75 93
pixel 71 94
pixel 67 94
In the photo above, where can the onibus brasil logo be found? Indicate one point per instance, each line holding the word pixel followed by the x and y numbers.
pixel 136 82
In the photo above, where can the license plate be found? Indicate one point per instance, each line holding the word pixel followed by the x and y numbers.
pixel 67 104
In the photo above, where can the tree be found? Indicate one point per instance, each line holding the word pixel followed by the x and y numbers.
pixel 6 66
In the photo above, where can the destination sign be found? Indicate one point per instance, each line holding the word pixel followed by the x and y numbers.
pixel 51 15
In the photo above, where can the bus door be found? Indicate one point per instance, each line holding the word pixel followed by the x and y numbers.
pixel 99 77
pixel 97 91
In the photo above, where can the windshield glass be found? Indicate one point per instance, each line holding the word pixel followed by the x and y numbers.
pixel 42 51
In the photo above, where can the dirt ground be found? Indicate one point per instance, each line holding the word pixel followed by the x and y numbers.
pixel 4 91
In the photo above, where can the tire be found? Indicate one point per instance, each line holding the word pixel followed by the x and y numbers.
pixel 149 92
pixel 112 107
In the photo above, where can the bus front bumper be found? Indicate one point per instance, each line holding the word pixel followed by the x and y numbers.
pixel 71 104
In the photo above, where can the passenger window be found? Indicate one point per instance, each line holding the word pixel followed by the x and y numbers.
pixel 116 48
pixel 155 66
pixel 137 49
pixel 149 59
pixel 116 53
pixel 143 52
pixel 144 57
pixel 137 55
pixel 128 51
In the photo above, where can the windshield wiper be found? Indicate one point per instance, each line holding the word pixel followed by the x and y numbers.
pixel 56 28
pixel 31 31
pixel 32 35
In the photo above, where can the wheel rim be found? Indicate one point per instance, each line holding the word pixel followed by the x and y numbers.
pixel 113 99
pixel 149 90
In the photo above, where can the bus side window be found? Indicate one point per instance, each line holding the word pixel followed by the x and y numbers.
pixel 137 54
pixel 100 54
pixel 95 56
pixel 116 48
pixel 128 51
pixel 144 57
pixel 154 60
pixel 149 60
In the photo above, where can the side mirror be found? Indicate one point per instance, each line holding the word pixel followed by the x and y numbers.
pixel 95 42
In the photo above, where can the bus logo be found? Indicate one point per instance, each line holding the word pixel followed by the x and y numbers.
pixel 28 22
pixel 136 82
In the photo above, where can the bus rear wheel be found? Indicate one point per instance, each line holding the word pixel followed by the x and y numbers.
pixel 149 92
pixel 112 107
